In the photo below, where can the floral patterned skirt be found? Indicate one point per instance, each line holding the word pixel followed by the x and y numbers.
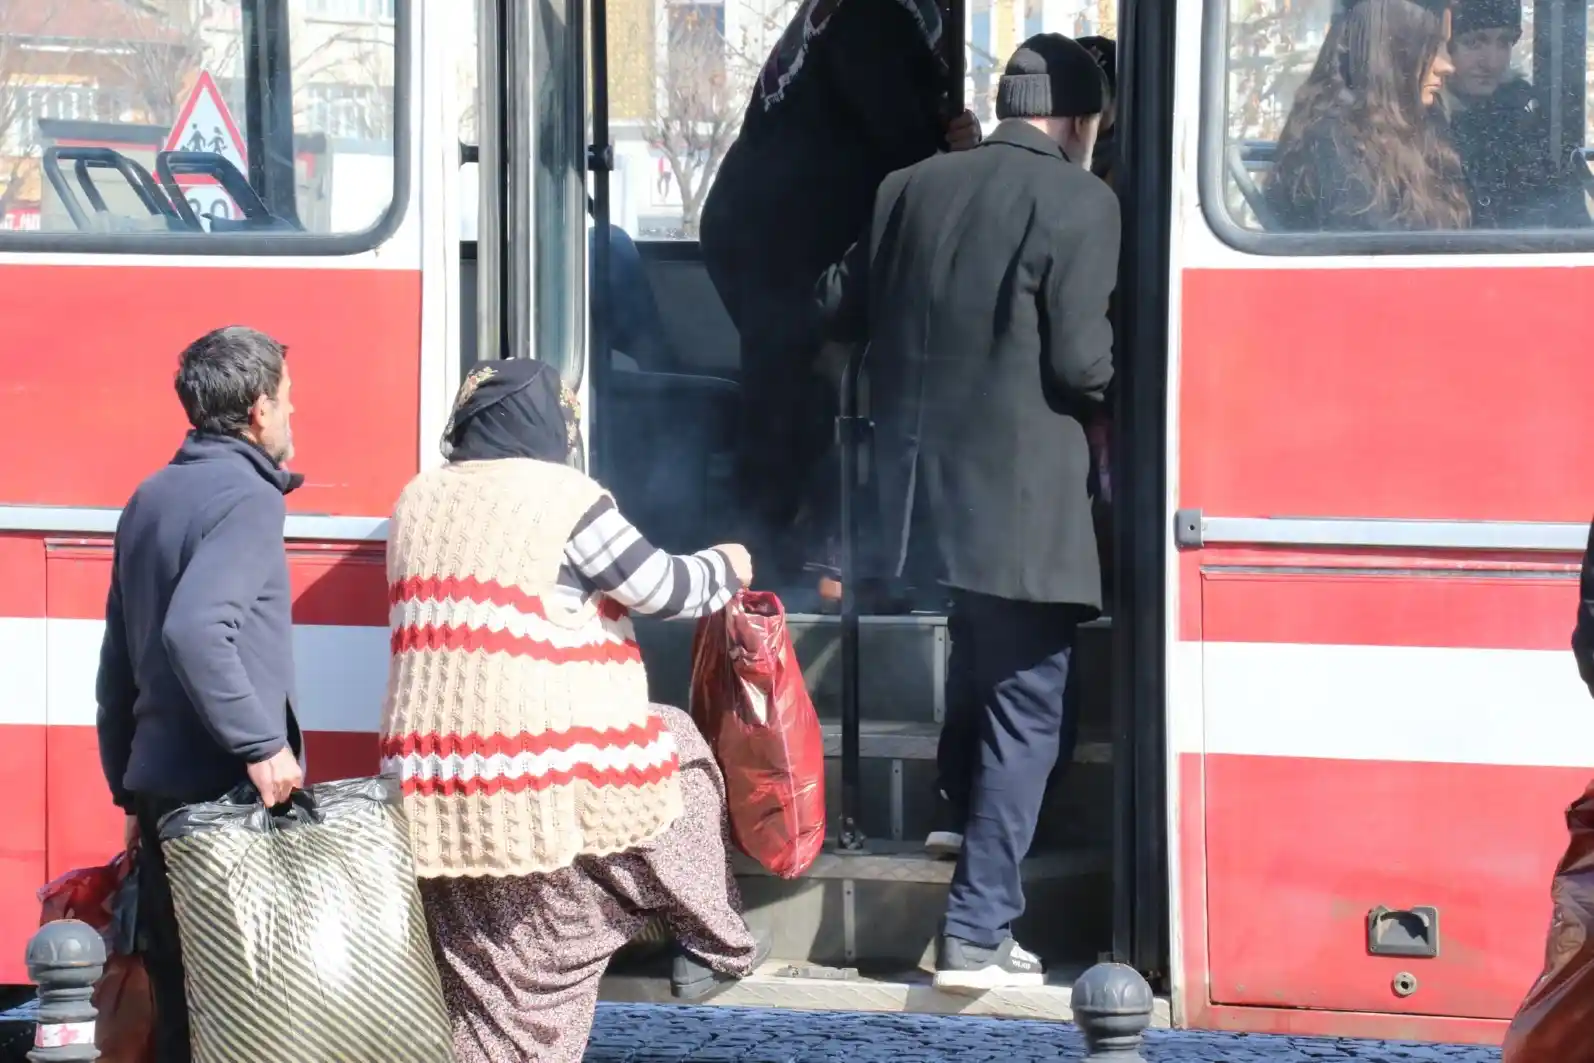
pixel 521 958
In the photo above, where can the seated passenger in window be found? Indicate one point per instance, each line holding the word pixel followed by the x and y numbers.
pixel 1365 148
pixel 1501 127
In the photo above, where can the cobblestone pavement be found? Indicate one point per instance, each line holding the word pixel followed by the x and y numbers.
pixel 629 1033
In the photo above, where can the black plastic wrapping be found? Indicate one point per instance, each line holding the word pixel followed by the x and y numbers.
pixel 302 929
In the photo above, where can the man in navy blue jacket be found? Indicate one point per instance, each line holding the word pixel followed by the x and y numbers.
pixel 195 685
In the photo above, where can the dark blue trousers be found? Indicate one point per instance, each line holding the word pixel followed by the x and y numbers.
pixel 1007 718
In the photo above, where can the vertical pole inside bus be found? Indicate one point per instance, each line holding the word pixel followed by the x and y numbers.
pixel 600 162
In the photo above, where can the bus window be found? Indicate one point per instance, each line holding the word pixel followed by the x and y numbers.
pixel 1402 116
pixel 187 121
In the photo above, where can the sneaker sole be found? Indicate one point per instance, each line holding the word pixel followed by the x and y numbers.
pixel 986 979
pixel 944 844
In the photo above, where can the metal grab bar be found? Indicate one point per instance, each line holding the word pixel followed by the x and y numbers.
pixel 851 431
pixel 86 158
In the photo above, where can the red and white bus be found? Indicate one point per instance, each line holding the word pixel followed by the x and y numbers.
pixel 1331 727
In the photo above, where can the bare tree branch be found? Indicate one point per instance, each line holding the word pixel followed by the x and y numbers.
pixel 704 79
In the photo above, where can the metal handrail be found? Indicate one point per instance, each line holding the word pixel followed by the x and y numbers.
pixel 851 430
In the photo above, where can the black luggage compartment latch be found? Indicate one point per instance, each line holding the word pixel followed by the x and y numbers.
pixel 1403 932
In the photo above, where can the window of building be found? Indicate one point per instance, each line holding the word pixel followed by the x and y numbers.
pixel 127 121
pixel 1326 125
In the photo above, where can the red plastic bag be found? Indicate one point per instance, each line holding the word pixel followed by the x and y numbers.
pixel 1555 1024
pixel 749 700
pixel 106 899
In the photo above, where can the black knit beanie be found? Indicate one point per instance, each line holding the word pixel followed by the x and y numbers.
pixel 1050 76
pixel 1469 15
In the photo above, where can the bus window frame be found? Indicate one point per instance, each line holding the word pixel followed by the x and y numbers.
pixel 1212 131
pixel 276 245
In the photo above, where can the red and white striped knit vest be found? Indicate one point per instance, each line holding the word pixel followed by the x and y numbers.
pixel 520 729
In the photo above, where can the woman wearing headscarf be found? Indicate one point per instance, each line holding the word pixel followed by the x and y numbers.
pixel 852 91
pixel 552 810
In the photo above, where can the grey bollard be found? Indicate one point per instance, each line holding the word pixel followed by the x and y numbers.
pixel 1112 1006
pixel 65 959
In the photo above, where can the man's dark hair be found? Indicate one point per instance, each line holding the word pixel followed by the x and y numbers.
pixel 221 374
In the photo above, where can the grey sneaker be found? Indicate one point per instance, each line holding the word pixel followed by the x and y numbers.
pixel 961 967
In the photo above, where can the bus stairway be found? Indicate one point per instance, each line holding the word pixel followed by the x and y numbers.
pixel 857 932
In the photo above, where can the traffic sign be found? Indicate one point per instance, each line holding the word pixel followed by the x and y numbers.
pixel 205 124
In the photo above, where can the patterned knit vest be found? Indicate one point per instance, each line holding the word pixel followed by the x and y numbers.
pixel 520 730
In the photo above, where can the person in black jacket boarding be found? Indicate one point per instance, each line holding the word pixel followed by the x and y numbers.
pixel 195 685
pixel 853 90
pixel 981 287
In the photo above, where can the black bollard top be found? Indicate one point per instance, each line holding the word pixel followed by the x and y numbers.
pixel 62 946
pixel 1112 1005
pixel 1112 989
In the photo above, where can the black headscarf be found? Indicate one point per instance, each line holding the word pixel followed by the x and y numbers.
pixel 512 408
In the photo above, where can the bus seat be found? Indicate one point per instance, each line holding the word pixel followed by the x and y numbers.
pixel 1244 158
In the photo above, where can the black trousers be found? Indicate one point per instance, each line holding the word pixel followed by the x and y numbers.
pixel 1008 718
pixel 786 475
pixel 163 952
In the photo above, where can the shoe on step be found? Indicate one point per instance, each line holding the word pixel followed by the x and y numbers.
pixel 692 979
pixel 963 967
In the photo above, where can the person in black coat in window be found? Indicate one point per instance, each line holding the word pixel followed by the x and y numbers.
pixel 853 90
pixel 981 286
pixel 1500 126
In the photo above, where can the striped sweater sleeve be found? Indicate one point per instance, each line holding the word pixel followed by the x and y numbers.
pixel 607 554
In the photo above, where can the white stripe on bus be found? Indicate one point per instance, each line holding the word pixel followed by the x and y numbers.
pixel 341 681
pixel 1397 703
pixel 1406 703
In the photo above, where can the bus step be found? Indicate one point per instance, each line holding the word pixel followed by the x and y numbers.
pixel 905 991
pixel 902 663
pixel 916 740
pixel 882 908
pixel 897 781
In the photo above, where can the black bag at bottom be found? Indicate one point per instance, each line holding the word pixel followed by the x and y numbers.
pixel 302 930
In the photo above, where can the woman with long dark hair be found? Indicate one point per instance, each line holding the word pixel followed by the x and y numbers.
pixel 1364 147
